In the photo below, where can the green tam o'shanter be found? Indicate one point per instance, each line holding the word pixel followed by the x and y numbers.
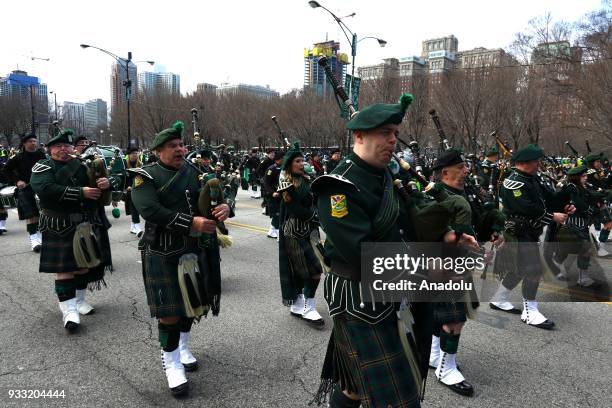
pixel 65 136
pixel 592 158
pixel 575 171
pixel 291 154
pixel 528 153
pixel 174 132
pixel 380 114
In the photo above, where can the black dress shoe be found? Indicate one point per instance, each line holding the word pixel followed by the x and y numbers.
pixel 180 390
pixel 462 388
pixel 546 325
pixel 191 366
pixel 514 310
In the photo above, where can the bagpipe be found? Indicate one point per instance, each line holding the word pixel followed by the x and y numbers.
pixel 97 168
pixel 211 192
pixel 282 138
pixel 443 145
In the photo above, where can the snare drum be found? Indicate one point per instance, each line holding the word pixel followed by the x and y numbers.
pixel 7 197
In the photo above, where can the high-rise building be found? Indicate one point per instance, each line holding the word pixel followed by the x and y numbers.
pixel 163 81
pixel 264 92
pixel 118 78
pixel 440 53
pixel 314 75
pixel 73 117
pixel 96 116
pixel 31 92
pixel 206 87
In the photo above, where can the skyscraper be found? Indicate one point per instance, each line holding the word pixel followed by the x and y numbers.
pixel 314 75
pixel 95 116
pixel 31 92
pixel 163 81
pixel 73 117
pixel 118 78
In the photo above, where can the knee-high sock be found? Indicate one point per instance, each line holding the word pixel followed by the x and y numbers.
pixel 449 343
pixel 185 324
pixel 80 281
pixel 32 228
pixel 65 289
pixel 169 335
pixel 310 287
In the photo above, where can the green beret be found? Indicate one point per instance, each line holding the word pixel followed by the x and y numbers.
pixel 528 153
pixel 492 151
pixel 65 136
pixel 592 158
pixel 575 171
pixel 174 132
pixel 291 154
pixel 449 158
pixel 380 114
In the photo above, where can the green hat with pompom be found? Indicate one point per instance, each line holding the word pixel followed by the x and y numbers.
pixel 65 136
pixel 380 114
pixel 174 132
pixel 291 154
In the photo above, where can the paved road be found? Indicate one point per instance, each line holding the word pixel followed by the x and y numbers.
pixel 255 354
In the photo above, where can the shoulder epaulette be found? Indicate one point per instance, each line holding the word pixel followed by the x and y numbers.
pixel 40 167
pixel 141 171
pixel 591 171
pixel 512 184
pixel 321 181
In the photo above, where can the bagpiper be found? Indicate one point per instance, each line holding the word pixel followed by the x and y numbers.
pixel 528 207
pixel 273 200
pixel 18 171
pixel 75 243
pixel 180 252
pixel 357 204
pixel 299 267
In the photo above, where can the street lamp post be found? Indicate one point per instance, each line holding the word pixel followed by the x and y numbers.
pixel 55 103
pixel 127 83
pixel 352 40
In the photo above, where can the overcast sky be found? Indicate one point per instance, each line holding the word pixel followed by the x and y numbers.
pixel 249 41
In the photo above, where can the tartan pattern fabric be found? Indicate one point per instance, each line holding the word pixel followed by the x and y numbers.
pixel 26 203
pixel 161 285
pixel 449 312
pixel 57 255
pixel 369 360
pixel 303 262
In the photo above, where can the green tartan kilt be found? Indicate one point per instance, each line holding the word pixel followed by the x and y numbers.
pixel 368 360
pixel 57 254
pixel 26 203
pixel 160 274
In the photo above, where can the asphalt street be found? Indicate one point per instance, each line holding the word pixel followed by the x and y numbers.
pixel 255 354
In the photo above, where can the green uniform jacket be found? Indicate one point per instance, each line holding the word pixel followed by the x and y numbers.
pixel 59 186
pixel 166 197
pixel 347 204
pixel 524 198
